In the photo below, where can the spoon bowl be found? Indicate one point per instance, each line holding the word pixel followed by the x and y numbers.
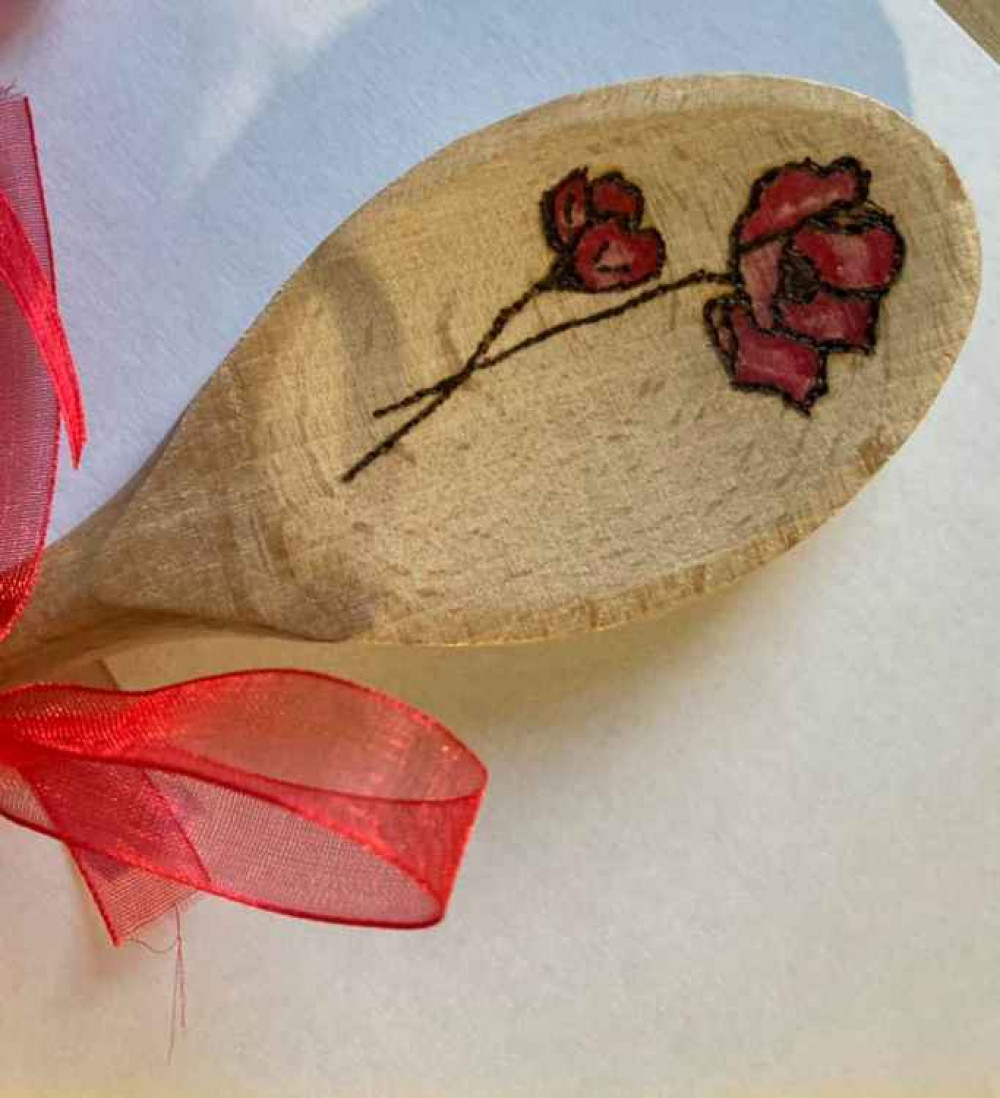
pixel 578 368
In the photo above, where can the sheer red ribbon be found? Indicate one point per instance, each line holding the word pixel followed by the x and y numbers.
pixel 37 379
pixel 285 790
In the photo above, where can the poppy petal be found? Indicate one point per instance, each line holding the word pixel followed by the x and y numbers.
pixel 608 256
pixel 852 260
pixel 842 321
pixel 760 270
pixel 614 196
pixel 783 199
pixel 564 209
pixel 765 359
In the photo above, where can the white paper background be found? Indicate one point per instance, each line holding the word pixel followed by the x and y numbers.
pixel 752 848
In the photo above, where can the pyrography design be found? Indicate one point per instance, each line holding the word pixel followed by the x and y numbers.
pixel 811 259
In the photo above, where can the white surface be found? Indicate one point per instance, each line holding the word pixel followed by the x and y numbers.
pixel 754 848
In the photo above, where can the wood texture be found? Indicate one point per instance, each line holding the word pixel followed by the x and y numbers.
pixel 981 18
pixel 609 474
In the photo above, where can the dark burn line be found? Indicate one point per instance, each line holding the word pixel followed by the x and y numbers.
pixel 443 390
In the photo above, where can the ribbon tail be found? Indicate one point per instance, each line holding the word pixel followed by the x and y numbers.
pixel 149 896
pixel 127 897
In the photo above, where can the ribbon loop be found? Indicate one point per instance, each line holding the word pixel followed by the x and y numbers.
pixel 284 790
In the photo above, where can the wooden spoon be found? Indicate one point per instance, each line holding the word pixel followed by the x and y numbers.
pixel 566 438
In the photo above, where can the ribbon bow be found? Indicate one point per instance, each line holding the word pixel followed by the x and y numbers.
pixel 284 790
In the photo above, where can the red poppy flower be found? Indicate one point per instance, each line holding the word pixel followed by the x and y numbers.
pixel 812 260
pixel 594 225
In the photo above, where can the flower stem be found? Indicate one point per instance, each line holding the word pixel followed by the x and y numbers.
pixel 390 440
pixel 664 288
pixel 444 389
pixel 500 322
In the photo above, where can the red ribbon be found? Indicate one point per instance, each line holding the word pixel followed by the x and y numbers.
pixel 284 790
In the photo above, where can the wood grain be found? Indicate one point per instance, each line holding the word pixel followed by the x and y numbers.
pixel 610 474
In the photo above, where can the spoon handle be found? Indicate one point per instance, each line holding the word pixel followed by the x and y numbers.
pixel 65 626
